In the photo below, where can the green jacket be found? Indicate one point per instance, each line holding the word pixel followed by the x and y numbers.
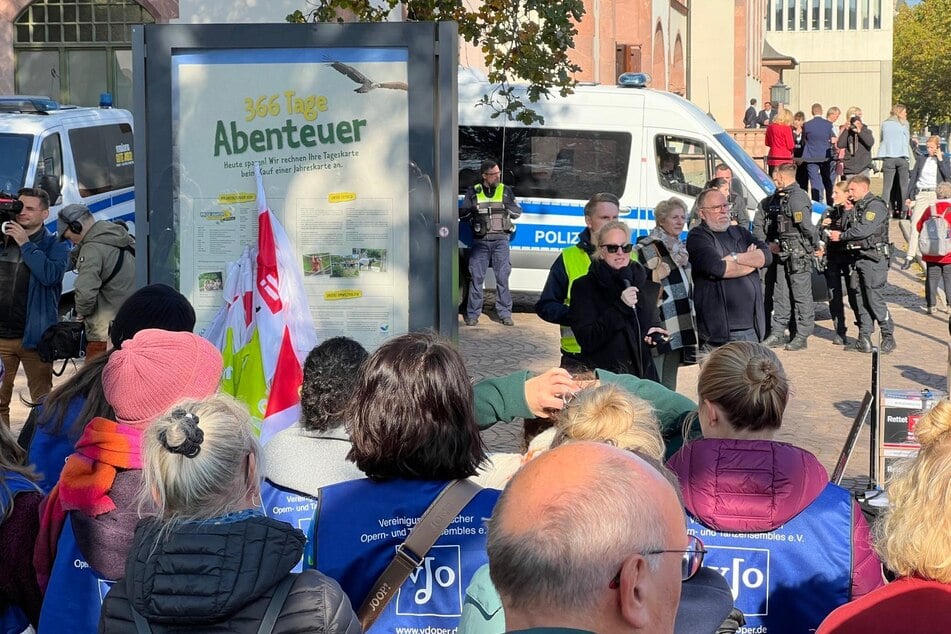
pixel 98 254
pixel 503 399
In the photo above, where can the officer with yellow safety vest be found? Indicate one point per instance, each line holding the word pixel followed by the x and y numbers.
pixel 490 207
pixel 571 264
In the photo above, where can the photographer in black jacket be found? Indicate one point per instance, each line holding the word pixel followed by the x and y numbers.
pixel 857 141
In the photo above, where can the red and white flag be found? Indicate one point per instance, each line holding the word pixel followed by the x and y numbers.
pixel 283 318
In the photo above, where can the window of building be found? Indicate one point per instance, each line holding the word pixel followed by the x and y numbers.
pixel 853 14
pixel 566 164
pixel 816 12
pixel 103 158
pixel 73 50
pixel 790 15
pixel 778 14
pixel 840 14
pixel 827 15
pixel 865 14
pixel 876 14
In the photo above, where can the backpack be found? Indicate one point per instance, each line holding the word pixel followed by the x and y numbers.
pixel 935 236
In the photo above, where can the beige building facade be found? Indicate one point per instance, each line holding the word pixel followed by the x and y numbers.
pixel 844 53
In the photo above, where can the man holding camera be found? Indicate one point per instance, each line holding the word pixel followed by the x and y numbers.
pixel 857 141
pixel 490 207
pixel 32 264
pixel 784 222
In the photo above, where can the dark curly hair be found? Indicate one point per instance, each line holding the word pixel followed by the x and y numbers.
pixel 330 373
pixel 411 415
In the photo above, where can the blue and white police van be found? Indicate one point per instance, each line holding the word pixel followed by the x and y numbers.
pixel 599 139
pixel 77 154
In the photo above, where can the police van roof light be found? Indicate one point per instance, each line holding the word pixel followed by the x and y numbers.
pixel 27 103
pixel 634 80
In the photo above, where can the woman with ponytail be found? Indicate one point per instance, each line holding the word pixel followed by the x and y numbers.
pixel 792 545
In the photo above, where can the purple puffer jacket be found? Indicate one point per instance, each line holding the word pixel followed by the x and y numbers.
pixel 754 486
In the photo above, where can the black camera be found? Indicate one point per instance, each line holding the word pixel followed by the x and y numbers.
pixel 852 122
pixel 10 207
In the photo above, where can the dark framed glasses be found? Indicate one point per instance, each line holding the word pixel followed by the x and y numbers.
pixel 690 563
pixel 613 248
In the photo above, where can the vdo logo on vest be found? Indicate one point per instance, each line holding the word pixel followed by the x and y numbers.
pixel 747 572
pixel 435 587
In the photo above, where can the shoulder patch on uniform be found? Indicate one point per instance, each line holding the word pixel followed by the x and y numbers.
pixel 797 216
pixel 82 258
pixel 870 215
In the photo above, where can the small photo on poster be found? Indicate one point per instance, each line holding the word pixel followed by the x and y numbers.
pixel 370 260
pixel 210 281
pixel 344 266
pixel 316 264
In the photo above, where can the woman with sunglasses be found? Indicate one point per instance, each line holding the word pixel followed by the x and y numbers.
pixel 614 308
pixel 792 545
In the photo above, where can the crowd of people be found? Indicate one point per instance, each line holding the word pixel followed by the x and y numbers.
pixel 138 498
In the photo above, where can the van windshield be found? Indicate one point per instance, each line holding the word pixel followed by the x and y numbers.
pixel 14 161
pixel 747 163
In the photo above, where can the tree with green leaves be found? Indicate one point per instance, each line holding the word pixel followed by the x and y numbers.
pixel 922 61
pixel 522 40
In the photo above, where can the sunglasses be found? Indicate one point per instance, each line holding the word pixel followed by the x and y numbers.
pixel 612 248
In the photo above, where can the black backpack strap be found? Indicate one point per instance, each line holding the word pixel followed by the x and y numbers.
pixel 118 266
pixel 276 604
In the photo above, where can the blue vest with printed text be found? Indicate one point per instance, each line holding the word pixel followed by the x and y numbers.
pixel 12 619
pixel 354 537
pixel 290 506
pixel 786 581
pixel 75 593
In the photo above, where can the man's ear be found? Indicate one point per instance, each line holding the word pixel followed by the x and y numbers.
pixel 634 593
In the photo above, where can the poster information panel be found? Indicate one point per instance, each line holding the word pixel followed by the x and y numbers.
pixel 353 127
pixel 326 137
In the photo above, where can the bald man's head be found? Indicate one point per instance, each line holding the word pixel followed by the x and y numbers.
pixel 574 519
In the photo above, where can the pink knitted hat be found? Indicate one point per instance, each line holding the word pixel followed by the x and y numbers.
pixel 156 369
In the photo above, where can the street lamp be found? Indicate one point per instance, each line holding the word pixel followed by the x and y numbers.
pixel 779 94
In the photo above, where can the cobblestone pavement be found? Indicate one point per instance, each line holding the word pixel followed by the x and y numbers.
pixel 828 382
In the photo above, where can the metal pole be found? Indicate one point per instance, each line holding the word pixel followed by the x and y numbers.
pixel 873 422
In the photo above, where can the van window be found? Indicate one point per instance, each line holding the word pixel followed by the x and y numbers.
pixel 14 160
pixel 682 164
pixel 50 162
pixel 103 158
pixel 548 163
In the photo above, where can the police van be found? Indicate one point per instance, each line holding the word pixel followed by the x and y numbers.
pixel 641 144
pixel 78 155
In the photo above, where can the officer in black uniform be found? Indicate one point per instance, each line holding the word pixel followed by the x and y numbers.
pixel 840 262
pixel 866 235
pixel 784 222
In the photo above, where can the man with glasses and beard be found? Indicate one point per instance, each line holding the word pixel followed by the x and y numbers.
pixel 725 260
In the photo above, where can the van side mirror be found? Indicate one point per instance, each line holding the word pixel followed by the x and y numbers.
pixel 50 184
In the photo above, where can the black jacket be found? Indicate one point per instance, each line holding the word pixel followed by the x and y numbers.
pixel 609 332
pixel 858 150
pixel 219 577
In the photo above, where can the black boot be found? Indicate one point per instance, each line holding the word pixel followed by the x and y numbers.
pixel 888 344
pixel 839 339
pixel 775 340
pixel 862 344
pixel 798 343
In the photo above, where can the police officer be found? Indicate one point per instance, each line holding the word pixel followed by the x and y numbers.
pixel 784 222
pixel 489 207
pixel 866 235
pixel 840 262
